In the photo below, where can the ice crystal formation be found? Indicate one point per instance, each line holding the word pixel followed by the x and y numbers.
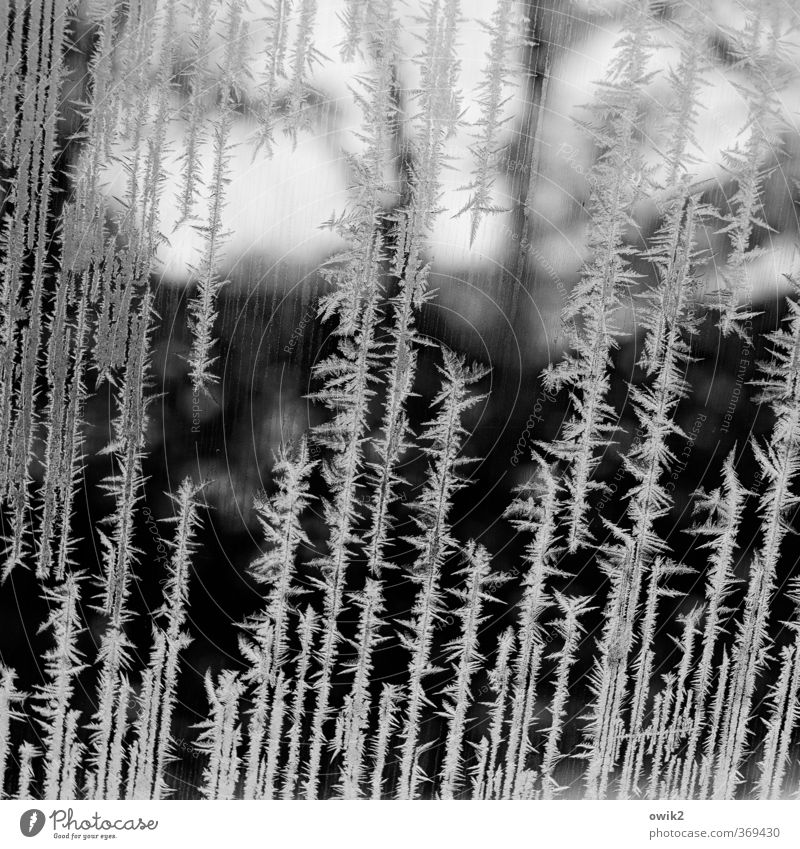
pixel 621 643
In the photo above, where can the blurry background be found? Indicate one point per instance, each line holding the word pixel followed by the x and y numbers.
pixel 499 295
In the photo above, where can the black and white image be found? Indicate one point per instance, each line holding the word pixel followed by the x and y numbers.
pixel 399 399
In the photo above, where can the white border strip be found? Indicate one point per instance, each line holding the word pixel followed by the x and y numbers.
pixel 401 825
